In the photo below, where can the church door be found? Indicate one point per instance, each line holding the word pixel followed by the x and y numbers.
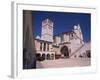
pixel 65 52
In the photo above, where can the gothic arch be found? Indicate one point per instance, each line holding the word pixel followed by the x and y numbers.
pixel 48 56
pixel 64 51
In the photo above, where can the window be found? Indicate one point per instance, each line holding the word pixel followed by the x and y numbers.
pixel 88 53
pixel 48 57
pixel 48 47
pixel 40 46
pixel 38 56
pixel 71 36
pixel 43 56
pixel 52 56
pixel 44 46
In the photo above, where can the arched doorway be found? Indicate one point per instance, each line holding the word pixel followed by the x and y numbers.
pixel 43 56
pixel 64 51
pixel 52 56
pixel 48 57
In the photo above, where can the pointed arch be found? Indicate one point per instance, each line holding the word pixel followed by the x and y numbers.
pixel 64 51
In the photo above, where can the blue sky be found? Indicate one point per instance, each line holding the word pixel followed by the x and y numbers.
pixel 63 22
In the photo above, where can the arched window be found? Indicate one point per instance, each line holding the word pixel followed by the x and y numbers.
pixel 41 46
pixel 48 47
pixel 88 53
pixel 71 36
pixel 52 56
pixel 38 56
pixel 44 46
pixel 43 56
pixel 48 57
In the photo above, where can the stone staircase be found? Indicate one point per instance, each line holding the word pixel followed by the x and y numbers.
pixel 78 48
pixel 76 51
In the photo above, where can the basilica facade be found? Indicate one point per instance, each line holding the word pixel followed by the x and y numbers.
pixel 62 45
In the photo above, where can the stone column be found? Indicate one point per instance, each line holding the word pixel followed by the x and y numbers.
pixel 29 52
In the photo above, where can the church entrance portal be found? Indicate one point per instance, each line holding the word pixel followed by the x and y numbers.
pixel 65 52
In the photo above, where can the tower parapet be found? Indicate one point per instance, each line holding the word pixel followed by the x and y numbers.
pixel 47 30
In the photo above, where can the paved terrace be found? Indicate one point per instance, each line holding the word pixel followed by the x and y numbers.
pixel 76 62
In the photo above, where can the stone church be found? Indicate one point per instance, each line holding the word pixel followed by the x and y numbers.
pixel 48 46
pixel 62 45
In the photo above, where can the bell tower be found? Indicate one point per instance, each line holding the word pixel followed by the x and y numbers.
pixel 78 32
pixel 47 30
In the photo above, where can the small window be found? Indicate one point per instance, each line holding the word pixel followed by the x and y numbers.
pixel 48 57
pixel 72 34
pixel 52 56
pixel 40 46
pixel 44 46
pixel 88 53
pixel 43 56
pixel 48 47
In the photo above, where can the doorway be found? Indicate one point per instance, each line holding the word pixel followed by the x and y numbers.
pixel 64 51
